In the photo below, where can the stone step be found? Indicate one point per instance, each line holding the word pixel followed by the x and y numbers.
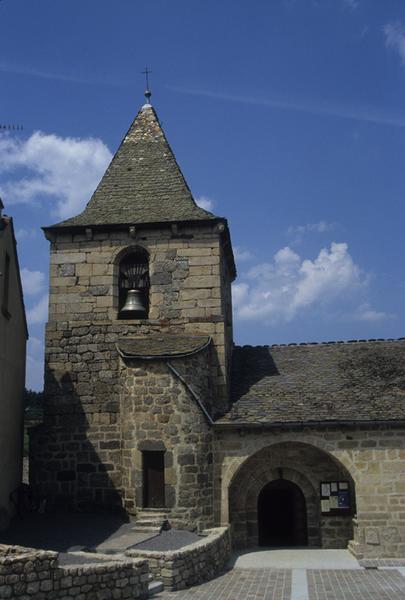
pixel 148 529
pixel 356 549
pixel 154 526
pixel 155 587
pixel 153 514
pixel 152 520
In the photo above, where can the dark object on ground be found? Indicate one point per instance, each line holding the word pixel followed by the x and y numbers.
pixel 23 499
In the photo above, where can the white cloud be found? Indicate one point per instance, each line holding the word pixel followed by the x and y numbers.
pixel 314 106
pixel 205 202
pixel 242 254
pixel 32 281
pixel 320 227
pixel 48 167
pixel 395 38
pixel 90 79
pixel 288 285
pixel 366 313
pixel 39 312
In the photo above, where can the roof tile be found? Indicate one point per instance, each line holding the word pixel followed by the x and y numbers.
pixel 143 183
pixel 356 381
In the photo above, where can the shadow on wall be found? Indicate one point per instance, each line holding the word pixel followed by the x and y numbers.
pixel 243 375
pixel 75 454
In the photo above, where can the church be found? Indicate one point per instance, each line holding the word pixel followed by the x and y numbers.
pixel 152 409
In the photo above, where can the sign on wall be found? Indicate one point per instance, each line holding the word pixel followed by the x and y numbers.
pixel 335 497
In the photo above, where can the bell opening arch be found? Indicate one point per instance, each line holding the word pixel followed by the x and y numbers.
pixel 132 283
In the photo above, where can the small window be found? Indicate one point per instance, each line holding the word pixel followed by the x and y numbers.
pixel 6 287
pixel 133 282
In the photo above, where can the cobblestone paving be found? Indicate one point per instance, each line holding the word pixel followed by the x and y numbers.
pixel 355 585
pixel 239 584
pixel 275 584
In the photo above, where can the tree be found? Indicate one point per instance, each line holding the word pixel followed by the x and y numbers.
pixel 33 399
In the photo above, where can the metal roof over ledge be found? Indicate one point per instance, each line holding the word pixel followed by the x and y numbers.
pixel 161 345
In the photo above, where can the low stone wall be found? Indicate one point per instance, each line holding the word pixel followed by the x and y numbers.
pixel 35 574
pixel 193 564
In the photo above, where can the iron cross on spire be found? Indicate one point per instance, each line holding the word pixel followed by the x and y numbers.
pixel 148 93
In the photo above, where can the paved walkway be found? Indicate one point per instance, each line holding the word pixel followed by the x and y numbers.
pixel 286 574
pixel 298 575
pixel 294 558
pixel 297 584
pixel 239 584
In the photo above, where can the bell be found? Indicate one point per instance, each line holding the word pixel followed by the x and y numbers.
pixel 134 303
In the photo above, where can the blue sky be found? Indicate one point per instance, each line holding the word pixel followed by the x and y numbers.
pixel 286 116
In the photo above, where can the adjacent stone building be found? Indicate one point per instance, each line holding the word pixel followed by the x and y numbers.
pixel 13 341
pixel 151 408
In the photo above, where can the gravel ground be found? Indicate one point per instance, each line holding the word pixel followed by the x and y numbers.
pixel 168 540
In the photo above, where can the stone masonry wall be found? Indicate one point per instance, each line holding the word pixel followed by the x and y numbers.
pixel 226 287
pixel 186 276
pixel 336 532
pixel 76 456
pixel 159 413
pixel 82 458
pixel 26 573
pixel 191 565
pixel 303 465
pixel 374 456
pixel 77 466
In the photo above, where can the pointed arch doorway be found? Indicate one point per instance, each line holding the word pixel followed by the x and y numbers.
pixel 282 515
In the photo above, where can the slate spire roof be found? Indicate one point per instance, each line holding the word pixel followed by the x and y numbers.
pixel 143 183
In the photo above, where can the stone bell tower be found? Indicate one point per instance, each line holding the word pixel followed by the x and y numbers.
pixel 138 341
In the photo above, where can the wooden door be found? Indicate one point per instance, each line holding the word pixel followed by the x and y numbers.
pixel 282 517
pixel 153 479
